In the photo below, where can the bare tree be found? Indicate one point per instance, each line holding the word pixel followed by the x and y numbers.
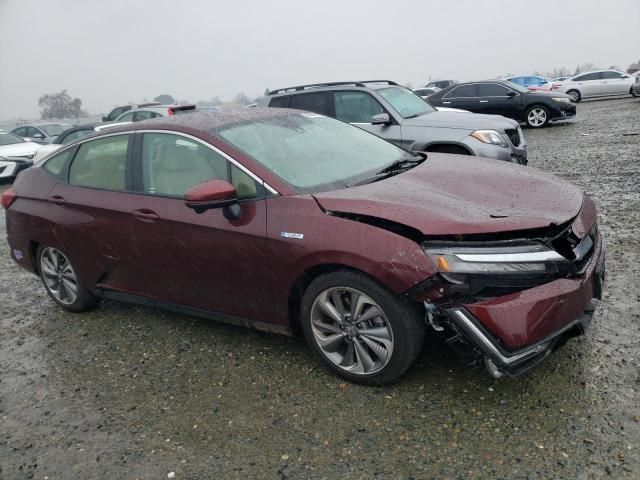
pixel 165 99
pixel 60 105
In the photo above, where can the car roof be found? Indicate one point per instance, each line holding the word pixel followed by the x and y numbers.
pixel 365 84
pixel 205 121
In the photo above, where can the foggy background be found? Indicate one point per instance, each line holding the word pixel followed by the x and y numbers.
pixel 120 51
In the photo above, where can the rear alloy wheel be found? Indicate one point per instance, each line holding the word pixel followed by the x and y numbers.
pixel 575 95
pixel 537 117
pixel 359 329
pixel 62 282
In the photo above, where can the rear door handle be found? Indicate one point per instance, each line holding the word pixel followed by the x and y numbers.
pixel 57 200
pixel 484 101
pixel 146 215
pixel 448 103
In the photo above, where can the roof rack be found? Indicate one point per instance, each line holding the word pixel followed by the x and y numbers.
pixel 359 83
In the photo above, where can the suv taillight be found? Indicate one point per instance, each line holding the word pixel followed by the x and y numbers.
pixel 8 197
pixel 171 112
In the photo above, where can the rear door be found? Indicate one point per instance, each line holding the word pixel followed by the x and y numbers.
pixel 318 102
pixel 589 84
pixel 463 96
pixel 496 99
pixel 92 219
pixel 359 107
pixel 205 260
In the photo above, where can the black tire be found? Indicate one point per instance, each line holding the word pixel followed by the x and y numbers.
pixel 633 94
pixel 453 149
pixel 537 116
pixel 81 301
pixel 402 316
pixel 575 95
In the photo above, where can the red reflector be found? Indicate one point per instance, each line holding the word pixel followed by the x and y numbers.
pixel 171 112
pixel 7 198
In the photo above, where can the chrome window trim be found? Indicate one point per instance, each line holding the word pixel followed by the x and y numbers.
pixel 217 150
pixel 72 145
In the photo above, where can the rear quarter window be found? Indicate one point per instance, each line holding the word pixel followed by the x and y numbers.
pixel 280 102
pixel 56 164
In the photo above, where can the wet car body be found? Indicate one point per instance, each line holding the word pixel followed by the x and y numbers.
pixel 277 245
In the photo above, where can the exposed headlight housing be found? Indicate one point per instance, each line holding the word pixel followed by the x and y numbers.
pixel 490 136
pixel 561 99
pixel 456 263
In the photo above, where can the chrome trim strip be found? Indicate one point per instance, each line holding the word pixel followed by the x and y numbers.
pixel 487 345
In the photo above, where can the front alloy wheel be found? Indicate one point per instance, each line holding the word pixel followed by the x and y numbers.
pixel 359 329
pixel 537 117
pixel 351 330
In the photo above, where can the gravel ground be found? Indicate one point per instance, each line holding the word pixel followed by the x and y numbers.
pixel 127 392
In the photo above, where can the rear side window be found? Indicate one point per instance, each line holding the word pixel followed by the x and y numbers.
pixel 126 118
pixel 280 102
pixel 313 102
pixel 462 91
pixel 492 90
pixel 55 165
pixel 144 115
pixel 101 163
pixel 77 134
pixel 611 75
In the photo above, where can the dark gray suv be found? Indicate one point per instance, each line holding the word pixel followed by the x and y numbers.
pixel 397 114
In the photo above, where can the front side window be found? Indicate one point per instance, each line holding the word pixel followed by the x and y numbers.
pixel 492 90
pixel 405 102
pixel 7 138
pixel 54 129
pixel 356 107
pixel 172 164
pixel 144 115
pixel 311 152
pixel 611 75
pixel 101 163
pixel 34 133
pixel 313 102
pixel 518 80
pixel 463 91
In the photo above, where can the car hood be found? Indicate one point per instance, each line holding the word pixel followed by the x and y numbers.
pixel 469 121
pixel 18 149
pixel 456 195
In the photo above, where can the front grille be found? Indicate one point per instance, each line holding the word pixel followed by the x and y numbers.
pixel 513 135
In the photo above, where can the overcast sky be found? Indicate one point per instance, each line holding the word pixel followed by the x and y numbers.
pixel 116 51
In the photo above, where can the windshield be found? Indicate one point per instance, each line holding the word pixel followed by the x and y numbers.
pixel 516 87
pixel 54 129
pixel 405 102
pixel 311 152
pixel 7 138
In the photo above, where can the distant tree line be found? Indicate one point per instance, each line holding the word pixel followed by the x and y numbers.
pixel 60 105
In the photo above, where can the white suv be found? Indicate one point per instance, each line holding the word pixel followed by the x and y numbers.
pixel 600 83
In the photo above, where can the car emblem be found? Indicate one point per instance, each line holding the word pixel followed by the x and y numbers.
pixel 297 236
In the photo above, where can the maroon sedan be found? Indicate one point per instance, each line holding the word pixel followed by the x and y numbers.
pixel 290 221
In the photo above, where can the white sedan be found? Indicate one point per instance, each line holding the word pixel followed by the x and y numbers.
pixel 15 154
pixel 599 83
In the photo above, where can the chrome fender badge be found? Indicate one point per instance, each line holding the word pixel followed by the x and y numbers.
pixel 297 236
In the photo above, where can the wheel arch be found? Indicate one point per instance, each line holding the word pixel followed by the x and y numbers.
pixel 436 146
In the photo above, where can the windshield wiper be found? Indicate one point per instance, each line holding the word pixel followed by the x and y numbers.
pixel 400 165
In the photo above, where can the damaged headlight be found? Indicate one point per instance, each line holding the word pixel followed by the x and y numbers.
pixel 456 262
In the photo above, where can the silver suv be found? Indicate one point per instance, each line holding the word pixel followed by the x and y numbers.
pixel 398 115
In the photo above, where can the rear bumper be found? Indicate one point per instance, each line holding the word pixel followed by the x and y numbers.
pixel 517 331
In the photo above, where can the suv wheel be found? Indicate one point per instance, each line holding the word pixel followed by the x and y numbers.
pixel 62 281
pixel 575 95
pixel 537 116
pixel 359 329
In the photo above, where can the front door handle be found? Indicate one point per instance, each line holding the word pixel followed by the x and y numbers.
pixel 484 101
pixel 56 200
pixel 448 103
pixel 146 215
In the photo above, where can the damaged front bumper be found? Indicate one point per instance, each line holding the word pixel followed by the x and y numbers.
pixel 549 314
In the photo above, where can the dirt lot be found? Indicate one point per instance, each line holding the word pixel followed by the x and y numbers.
pixel 127 392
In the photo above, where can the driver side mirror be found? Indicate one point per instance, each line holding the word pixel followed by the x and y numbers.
pixel 39 136
pixel 511 94
pixel 214 194
pixel 381 119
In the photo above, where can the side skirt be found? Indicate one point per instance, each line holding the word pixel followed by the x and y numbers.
pixel 196 312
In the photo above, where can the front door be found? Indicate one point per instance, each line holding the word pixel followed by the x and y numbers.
pixel 497 99
pixel 358 108
pixel 205 260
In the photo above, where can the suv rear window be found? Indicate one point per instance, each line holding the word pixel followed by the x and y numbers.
pixel 280 102
pixel 318 102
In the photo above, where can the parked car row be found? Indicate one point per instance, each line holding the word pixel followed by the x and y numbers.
pixel 299 219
